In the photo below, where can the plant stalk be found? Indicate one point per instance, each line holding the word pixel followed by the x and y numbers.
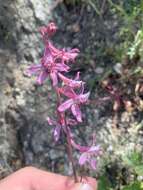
pixel 67 133
pixel 70 153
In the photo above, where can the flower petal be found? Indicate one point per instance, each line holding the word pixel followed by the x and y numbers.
pixel 62 67
pixel 77 76
pixel 67 91
pixel 93 164
pixel 53 49
pixel 71 122
pixel 51 121
pixel 42 77
pixel 95 149
pixel 47 57
pixel 57 132
pixel 76 112
pixel 83 97
pixel 69 82
pixel 66 105
pixel 33 69
pixel 53 76
pixel 70 54
pixel 82 149
pixel 83 158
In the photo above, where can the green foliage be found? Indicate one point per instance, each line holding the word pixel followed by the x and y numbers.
pixel 137 46
pixel 135 161
pixel 130 13
pixel 135 186
pixel 104 184
pixel 117 7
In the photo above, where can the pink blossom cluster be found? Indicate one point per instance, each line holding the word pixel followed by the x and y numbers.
pixel 54 64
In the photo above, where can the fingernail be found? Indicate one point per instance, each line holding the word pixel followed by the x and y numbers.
pixel 82 186
pixel 85 186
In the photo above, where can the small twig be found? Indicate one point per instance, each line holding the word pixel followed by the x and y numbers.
pixel 99 100
pixel 94 7
pixel 102 7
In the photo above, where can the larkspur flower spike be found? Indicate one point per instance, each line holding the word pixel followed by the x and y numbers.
pixel 70 94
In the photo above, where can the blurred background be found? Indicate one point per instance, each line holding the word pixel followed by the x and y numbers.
pixel 109 34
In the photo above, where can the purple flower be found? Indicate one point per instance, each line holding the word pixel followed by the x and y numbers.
pixel 69 82
pixel 54 51
pixel 69 55
pixel 60 126
pixel 89 153
pixel 74 102
pixel 53 65
pixel 57 129
pixel 49 30
pixel 47 67
pixel 63 55
pixel 89 156
pixel 53 60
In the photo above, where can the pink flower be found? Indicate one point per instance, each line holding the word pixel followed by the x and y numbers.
pixel 39 71
pixel 53 64
pixel 71 83
pixel 89 153
pixel 63 55
pixel 69 55
pixel 59 126
pixel 53 60
pixel 57 129
pixel 47 67
pixel 54 51
pixel 74 102
pixel 89 156
pixel 49 30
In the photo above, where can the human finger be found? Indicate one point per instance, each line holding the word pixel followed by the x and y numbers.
pixel 31 178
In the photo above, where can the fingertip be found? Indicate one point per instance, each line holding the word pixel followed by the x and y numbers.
pixel 92 182
pixel 84 186
pixel 87 183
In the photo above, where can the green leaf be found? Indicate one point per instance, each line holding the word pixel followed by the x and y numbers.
pixel 104 184
pixel 135 161
pixel 135 186
pixel 139 169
